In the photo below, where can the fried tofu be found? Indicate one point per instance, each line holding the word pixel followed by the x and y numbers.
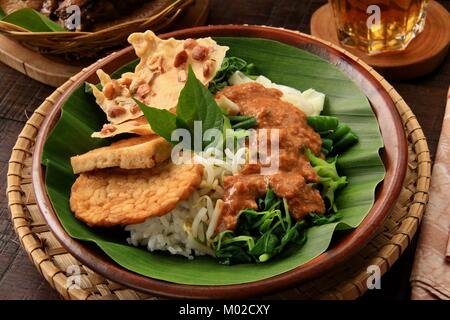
pixel 112 197
pixel 134 153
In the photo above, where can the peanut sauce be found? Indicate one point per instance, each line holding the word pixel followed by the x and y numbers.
pixel 295 172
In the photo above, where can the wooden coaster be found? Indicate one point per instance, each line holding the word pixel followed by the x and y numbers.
pixel 423 55
pixel 36 66
pixel 55 71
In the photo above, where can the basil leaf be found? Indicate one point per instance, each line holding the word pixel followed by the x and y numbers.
pixel 33 21
pixel 162 121
pixel 196 103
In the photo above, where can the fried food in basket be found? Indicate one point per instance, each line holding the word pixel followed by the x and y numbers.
pixel 95 14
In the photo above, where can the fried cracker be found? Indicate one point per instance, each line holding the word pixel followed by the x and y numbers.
pixel 157 80
pixel 138 126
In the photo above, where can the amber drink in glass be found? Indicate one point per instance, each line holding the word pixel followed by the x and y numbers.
pixel 379 26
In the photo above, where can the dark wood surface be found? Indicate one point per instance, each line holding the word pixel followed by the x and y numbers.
pixel 19 96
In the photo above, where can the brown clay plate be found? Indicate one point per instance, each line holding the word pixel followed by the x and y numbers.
pixel 394 158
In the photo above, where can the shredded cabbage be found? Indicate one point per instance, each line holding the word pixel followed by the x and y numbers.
pixel 310 101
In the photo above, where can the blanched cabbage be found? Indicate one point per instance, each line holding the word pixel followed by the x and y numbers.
pixel 310 101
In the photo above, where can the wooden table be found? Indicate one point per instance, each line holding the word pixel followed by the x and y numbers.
pixel 19 96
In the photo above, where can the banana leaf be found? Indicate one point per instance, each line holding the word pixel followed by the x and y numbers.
pixel 282 64
pixel 31 20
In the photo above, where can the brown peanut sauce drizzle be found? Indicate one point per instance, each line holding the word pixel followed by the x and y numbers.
pixel 295 171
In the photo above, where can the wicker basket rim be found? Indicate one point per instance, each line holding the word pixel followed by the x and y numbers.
pixel 13 29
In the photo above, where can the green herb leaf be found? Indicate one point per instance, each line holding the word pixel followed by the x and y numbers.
pixel 233 249
pixel 33 21
pixel 264 233
pixel 162 121
pixel 296 235
pixel 320 219
pixel 265 244
pixel 2 13
pixel 196 103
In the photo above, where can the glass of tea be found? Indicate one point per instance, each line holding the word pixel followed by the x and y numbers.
pixel 377 26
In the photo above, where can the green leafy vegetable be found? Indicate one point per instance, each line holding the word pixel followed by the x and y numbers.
pixel 321 219
pixel 330 180
pixel 264 233
pixel 2 13
pixel 260 234
pixel 234 248
pixel 229 66
pixel 32 20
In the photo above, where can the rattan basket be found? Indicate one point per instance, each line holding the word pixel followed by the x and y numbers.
pixel 347 281
pixel 87 44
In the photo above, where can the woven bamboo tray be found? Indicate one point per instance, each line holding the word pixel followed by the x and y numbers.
pixel 348 281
